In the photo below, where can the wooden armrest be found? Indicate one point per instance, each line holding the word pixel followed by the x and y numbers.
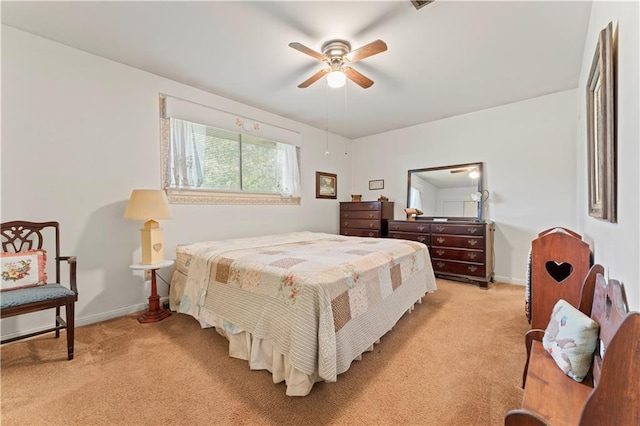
pixel 521 417
pixel 529 337
pixel 72 261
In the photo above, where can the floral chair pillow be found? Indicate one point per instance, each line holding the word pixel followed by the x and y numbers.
pixel 23 269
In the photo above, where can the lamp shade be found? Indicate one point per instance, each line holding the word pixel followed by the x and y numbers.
pixel 147 204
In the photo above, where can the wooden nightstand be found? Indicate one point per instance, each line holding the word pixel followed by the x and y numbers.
pixel 155 312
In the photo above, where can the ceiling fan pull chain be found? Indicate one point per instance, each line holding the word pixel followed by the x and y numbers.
pixel 326 152
pixel 345 120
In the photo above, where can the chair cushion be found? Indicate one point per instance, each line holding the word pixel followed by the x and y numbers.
pixel 10 299
pixel 23 269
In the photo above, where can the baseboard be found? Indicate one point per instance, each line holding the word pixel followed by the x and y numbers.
pixel 104 316
pixel 509 280
pixel 92 319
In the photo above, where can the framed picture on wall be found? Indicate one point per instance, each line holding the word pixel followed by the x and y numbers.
pixel 601 151
pixel 326 185
pixel 376 184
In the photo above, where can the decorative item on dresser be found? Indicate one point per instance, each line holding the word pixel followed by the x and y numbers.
pixel 459 249
pixel 365 219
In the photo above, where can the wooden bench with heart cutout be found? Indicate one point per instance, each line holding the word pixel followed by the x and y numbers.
pixel 560 261
pixel 610 392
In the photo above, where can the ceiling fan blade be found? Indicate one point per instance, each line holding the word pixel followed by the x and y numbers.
pixel 367 50
pixel 357 78
pixel 317 76
pixel 304 49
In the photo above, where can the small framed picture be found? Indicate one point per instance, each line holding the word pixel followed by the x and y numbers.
pixel 376 184
pixel 326 185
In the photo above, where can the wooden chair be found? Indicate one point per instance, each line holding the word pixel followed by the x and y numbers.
pixel 17 236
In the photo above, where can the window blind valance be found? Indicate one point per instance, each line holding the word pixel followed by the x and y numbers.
pixel 190 111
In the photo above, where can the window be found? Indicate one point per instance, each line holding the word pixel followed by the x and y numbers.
pixel 207 164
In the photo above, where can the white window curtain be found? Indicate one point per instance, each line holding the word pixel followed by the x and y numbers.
pixel 415 198
pixel 187 150
pixel 288 168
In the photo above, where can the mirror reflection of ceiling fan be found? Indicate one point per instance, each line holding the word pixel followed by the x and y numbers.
pixel 473 172
pixel 337 54
pixel 465 169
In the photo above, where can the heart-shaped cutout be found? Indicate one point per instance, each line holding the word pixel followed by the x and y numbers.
pixel 559 271
pixel 157 247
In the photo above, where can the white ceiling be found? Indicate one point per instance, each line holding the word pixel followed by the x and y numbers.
pixel 445 59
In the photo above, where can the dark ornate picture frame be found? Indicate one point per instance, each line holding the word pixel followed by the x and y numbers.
pixel 601 131
pixel 326 185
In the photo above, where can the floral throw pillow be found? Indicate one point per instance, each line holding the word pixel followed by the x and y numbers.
pixel 23 269
pixel 571 339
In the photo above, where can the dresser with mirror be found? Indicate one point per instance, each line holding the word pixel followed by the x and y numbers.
pixel 447 215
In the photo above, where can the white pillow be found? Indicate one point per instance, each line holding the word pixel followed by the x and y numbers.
pixel 571 339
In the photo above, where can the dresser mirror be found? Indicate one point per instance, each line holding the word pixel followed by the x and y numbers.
pixel 452 192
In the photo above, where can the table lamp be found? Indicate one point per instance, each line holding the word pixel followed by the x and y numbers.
pixel 149 205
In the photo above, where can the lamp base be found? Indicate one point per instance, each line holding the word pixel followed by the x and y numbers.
pixel 148 317
pixel 152 243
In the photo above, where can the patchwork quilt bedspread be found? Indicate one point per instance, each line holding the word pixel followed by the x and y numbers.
pixel 302 290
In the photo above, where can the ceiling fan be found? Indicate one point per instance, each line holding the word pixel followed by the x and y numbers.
pixel 336 54
pixel 465 169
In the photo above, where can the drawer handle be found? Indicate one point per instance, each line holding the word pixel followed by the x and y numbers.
pixel 422 239
pixel 346 223
pixel 371 224
pixel 440 264
pixel 440 228
pixel 473 242
pixel 440 240
pixel 472 268
pixel 371 234
pixel 472 230
pixel 440 252
pixel 472 255
pixel 346 215
pixel 421 228
pixel 396 227
pixel 395 236
pixel 371 215
pixel 371 207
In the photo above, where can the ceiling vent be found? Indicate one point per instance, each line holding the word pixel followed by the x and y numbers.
pixel 421 3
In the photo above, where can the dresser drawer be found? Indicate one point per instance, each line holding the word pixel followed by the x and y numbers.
pixel 460 268
pixel 457 241
pixel 366 205
pixel 443 253
pixel 360 223
pixel 466 229
pixel 409 227
pixel 352 232
pixel 421 238
pixel 360 214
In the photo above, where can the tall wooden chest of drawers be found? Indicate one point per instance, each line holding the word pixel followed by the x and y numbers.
pixel 365 219
pixel 458 249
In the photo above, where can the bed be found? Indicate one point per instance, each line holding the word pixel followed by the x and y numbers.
pixel 302 305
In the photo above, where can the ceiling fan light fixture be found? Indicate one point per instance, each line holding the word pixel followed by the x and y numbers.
pixel 336 79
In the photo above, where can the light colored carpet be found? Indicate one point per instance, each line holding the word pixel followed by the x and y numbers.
pixel 457 359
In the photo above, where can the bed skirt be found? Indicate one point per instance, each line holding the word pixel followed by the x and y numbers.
pixel 262 355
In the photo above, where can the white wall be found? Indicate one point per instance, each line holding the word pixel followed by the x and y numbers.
pixel 528 150
pixel 616 246
pixel 79 132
